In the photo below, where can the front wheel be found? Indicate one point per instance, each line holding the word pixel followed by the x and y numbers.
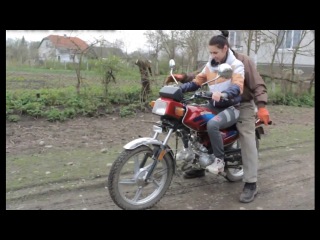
pixel 127 185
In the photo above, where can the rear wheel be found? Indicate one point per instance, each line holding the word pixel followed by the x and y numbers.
pixel 235 173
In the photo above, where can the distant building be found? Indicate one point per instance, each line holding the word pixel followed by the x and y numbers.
pixel 62 48
pixel 283 59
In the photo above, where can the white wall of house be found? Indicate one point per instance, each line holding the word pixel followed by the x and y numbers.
pixel 48 52
pixel 285 55
pixel 63 57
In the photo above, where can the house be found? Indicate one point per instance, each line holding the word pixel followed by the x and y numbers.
pixel 62 48
pixel 266 45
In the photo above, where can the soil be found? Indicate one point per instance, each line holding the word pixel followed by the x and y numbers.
pixel 64 165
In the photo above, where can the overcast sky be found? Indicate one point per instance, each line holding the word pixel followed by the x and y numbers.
pixel 133 39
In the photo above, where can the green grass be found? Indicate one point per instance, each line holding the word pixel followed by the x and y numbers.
pixel 289 134
pixel 30 170
pixel 33 170
pixel 34 70
pixel 60 101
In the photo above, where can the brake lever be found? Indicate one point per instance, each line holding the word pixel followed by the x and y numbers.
pixel 187 99
pixel 203 95
pixel 261 122
pixel 224 97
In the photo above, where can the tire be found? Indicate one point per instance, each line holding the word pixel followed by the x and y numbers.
pixel 257 144
pixel 236 174
pixel 125 184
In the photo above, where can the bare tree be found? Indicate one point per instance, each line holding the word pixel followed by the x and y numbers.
pixel 192 41
pixel 248 38
pixel 170 41
pixel 154 41
pixel 252 39
pixel 79 52
pixel 276 41
pixel 299 49
pixel 145 69
pixel 284 47
pixel 33 50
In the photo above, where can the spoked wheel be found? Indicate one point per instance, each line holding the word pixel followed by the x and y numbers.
pixel 234 174
pixel 127 182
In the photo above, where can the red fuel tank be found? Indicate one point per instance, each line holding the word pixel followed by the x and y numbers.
pixel 196 118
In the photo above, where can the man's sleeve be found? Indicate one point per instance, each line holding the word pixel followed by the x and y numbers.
pixel 257 84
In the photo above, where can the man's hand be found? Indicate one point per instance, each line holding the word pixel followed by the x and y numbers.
pixel 179 78
pixel 216 96
pixel 263 114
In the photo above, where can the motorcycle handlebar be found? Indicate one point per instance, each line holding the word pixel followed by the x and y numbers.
pixel 258 122
pixel 208 95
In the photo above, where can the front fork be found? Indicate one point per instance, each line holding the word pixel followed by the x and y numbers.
pixel 160 151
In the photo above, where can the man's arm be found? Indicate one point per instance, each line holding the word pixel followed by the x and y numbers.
pixel 256 84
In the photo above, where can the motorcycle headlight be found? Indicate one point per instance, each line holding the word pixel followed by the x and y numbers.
pixel 160 107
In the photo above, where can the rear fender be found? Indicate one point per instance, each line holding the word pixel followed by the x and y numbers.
pixel 259 131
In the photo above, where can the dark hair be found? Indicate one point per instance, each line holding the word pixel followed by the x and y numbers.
pixel 220 40
pixel 225 33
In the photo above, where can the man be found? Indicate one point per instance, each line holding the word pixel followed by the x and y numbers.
pixel 254 91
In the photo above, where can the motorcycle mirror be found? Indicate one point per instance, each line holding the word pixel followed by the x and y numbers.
pixel 172 63
pixel 225 70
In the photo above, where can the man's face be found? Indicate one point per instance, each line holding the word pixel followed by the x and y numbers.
pixel 218 54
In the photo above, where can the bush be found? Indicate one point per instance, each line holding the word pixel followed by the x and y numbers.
pixel 13 118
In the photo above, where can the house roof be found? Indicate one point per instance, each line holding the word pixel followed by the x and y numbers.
pixel 67 42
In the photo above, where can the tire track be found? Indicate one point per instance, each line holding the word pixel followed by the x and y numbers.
pixel 278 177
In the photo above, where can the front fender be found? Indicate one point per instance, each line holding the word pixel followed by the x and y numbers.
pixel 142 141
pixel 147 142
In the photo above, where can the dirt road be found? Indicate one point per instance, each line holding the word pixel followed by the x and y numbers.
pixel 64 166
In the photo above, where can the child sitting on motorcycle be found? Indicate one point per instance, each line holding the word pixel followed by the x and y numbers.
pixel 226 96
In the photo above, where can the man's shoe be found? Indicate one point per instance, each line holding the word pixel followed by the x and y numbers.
pixel 194 173
pixel 249 192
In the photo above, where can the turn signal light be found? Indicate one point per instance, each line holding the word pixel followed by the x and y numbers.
pixel 152 103
pixel 179 111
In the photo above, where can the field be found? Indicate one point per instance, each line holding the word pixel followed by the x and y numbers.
pixel 64 165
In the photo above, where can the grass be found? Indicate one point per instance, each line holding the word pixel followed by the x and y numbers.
pixel 55 166
pixel 290 134
pixel 59 100
pixel 30 170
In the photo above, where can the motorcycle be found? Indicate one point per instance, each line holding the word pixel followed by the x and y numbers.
pixel 143 172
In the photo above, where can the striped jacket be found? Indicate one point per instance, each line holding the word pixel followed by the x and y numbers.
pixel 233 87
